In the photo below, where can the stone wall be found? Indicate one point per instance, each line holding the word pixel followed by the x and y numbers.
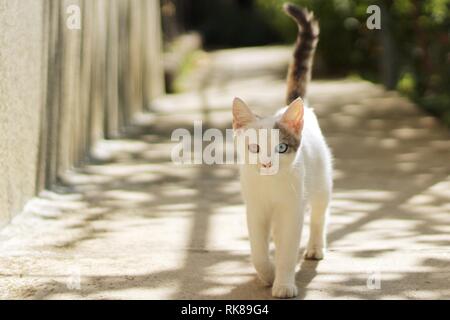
pixel 62 87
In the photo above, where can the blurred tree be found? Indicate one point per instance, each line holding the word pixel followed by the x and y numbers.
pixel 223 23
pixel 170 21
pixel 409 53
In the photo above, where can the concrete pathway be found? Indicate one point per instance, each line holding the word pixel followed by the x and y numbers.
pixel 134 225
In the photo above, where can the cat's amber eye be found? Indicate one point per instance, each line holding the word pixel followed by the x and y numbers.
pixel 253 147
pixel 281 148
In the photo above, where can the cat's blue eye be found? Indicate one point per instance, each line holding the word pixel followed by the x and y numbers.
pixel 281 148
pixel 254 148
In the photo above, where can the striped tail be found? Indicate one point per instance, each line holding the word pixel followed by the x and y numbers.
pixel 299 73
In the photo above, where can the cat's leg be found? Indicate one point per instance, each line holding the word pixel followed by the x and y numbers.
pixel 317 231
pixel 258 222
pixel 288 225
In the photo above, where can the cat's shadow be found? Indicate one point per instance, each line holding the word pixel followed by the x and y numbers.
pixel 306 274
pixel 254 289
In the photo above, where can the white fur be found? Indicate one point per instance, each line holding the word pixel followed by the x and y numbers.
pixel 278 203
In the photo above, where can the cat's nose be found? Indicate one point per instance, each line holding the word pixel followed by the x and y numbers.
pixel 267 165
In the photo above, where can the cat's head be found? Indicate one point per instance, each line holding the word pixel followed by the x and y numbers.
pixel 271 143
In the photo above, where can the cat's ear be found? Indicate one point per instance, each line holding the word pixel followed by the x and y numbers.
pixel 242 115
pixel 293 116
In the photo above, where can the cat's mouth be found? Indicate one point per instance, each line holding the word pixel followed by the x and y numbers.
pixel 268 171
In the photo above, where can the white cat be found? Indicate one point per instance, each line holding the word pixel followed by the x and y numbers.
pixel 277 203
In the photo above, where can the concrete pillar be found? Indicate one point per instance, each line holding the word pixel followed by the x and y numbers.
pixel 53 77
pixel 152 52
pixel 21 89
pixel 62 89
pixel 41 171
pixel 112 121
pixel 69 88
pixel 98 69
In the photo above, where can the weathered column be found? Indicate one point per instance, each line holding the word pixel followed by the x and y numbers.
pixel 124 62
pixel 85 79
pixel 98 69
pixel 112 120
pixel 135 57
pixel 41 172
pixel 21 36
pixel 63 88
pixel 69 86
pixel 153 72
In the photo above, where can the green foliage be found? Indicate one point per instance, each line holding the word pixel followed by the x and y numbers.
pixel 343 48
pixel 413 45
pixel 225 23
pixel 406 84
pixel 419 31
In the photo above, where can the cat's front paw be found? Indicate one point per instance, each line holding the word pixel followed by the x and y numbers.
pixel 315 253
pixel 284 291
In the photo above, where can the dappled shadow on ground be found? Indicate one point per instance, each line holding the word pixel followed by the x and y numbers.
pixel 138 226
